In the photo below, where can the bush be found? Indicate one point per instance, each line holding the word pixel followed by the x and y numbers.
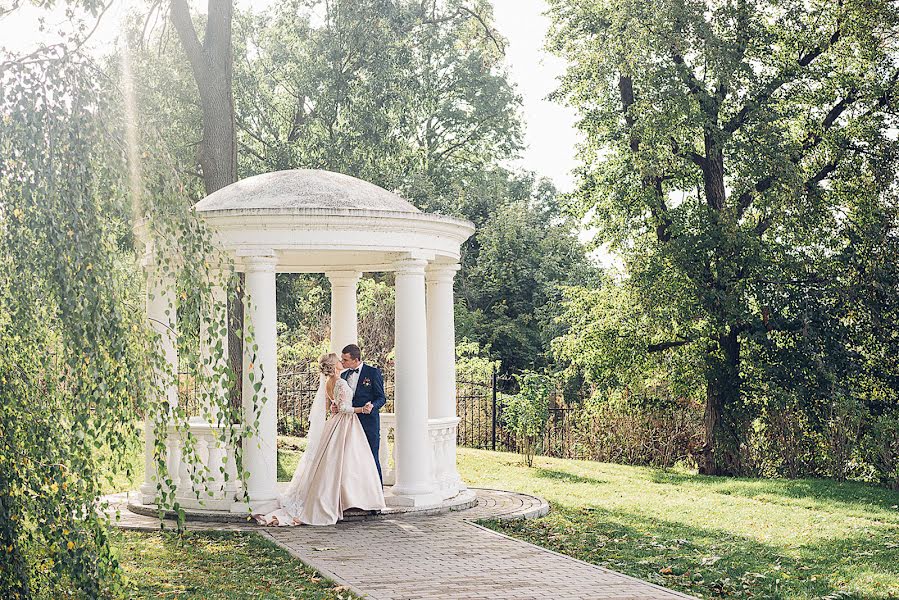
pixel 526 412
pixel 649 433
pixel 881 444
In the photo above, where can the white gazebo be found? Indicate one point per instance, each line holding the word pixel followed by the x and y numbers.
pixel 312 221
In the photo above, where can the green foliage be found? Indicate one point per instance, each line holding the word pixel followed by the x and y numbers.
pixel 526 412
pixel 512 275
pixel 740 159
pixel 472 363
pixel 73 354
pixel 411 97
pixel 82 363
pixel 881 442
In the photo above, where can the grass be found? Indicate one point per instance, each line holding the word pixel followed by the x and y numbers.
pixel 213 565
pixel 707 536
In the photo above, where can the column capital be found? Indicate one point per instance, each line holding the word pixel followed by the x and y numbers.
pixel 410 266
pixel 343 278
pixel 442 272
pixel 262 262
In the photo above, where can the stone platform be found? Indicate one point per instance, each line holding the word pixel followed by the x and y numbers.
pixel 462 501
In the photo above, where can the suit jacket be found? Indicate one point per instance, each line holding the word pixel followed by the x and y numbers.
pixel 369 388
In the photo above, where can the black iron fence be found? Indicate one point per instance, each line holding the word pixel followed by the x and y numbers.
pixel 479 410
pixel 656 437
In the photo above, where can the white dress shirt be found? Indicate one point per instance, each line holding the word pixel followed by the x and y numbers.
pixel 353 378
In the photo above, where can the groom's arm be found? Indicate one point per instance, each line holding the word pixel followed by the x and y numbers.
pixel 377 388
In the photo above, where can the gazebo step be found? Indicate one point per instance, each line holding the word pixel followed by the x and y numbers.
pixel 464 500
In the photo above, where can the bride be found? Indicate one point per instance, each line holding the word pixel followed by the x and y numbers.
pixel 337 470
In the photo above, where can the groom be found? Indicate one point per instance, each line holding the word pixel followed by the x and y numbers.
pixel 368 392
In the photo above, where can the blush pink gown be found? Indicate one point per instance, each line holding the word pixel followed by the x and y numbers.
pixel 340 475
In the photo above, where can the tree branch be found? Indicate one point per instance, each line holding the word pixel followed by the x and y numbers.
pixel 626 93
pixel 779 80
pixel 660 212
pixel 180 14
pixel 813 140
pixel 691 155
pixel 706 101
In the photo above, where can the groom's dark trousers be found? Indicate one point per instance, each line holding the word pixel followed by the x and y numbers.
pixel 370 388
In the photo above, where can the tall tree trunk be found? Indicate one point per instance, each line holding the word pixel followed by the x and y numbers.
pixel 212 64
pixel 713 173
pixel 724 419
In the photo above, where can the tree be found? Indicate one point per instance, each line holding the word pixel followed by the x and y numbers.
pixel 514 269
pixel 411 96
pixel 527 412
pixel 81 364
pixel 730 147
pixel 212 65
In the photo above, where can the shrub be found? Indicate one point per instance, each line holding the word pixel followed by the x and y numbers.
pixel 881 444
pixel 526 412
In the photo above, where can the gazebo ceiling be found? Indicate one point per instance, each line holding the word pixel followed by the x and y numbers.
pixel 303 189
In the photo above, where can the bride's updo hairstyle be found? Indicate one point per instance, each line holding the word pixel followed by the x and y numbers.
pixel 327 364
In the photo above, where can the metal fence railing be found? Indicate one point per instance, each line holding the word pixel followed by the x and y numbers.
pixel 477 406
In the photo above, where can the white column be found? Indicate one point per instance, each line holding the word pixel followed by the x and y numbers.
pixel 344 315
pixel 442 370
pixel 414 478
pixel 441 341
pixel 162 313
pixel 260 369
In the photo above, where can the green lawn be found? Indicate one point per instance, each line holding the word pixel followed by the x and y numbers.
pixel 711 537
pixel 213 565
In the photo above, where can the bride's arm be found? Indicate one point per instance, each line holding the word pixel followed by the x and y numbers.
pixel 344 395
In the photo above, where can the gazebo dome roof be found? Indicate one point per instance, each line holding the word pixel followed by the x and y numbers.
pixel 316 221
pixel 299 189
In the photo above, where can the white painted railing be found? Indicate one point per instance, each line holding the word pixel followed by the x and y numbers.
pixel 215 492
pixel 387 450
pixel 442 438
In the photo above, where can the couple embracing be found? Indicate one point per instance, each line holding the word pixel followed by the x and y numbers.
pixel 340 468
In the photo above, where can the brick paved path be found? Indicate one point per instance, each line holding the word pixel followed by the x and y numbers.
pixel 444 556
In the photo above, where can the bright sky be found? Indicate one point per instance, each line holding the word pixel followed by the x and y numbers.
pixel 550 135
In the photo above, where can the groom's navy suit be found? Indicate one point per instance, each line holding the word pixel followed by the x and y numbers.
pixel 370 388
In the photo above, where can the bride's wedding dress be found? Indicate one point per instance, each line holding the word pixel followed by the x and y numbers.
pixel 337 470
